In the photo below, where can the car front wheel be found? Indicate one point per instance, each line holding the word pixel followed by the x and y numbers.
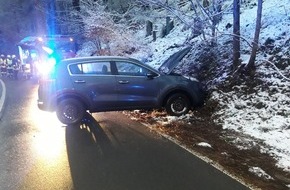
pixel 177 105
pixel 70 111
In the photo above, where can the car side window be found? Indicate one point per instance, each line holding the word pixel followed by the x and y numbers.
pixel 94 68
pixel 131 69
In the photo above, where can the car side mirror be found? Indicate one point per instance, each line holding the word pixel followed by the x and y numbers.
pixel 151 75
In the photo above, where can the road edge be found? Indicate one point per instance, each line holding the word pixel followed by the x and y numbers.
pixel 2 97
pixel 203 158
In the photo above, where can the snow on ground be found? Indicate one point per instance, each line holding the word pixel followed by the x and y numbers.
pixel 204 144
pixel 264 115
pixel 158 51
pixel 261 173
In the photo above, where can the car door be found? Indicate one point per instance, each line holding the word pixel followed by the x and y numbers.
pixel 95 81
pixel 135 89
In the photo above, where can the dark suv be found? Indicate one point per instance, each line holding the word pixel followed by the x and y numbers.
pixel 97 84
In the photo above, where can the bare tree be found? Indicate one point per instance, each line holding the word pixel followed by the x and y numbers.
pixel 236 32
pixel 102 28
pixel 68 19
pixel 211 13
pixel 251 63
pixel 207 14
pixel 17 20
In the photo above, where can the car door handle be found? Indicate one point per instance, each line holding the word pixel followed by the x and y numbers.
pixel 80 81
pixel 123 82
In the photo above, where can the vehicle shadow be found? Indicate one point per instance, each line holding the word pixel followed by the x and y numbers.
pixel 101 157
pixel 88 147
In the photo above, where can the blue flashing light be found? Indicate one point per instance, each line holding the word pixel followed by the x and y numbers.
pixel 47 50
pixel 51 61
pixel 33 54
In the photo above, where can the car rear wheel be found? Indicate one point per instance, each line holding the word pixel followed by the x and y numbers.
pixel 177 105
pixel 70 111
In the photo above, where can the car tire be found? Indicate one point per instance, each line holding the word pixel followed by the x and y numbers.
pixel 70 111
pixel 177 105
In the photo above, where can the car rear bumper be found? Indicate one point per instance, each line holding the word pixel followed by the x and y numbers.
pixel 44 107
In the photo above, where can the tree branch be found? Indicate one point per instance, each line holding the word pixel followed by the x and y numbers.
pixel 277 69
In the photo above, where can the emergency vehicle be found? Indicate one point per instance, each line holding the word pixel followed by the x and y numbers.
pixel 39 53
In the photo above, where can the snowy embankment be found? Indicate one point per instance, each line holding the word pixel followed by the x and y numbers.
pixel 264 113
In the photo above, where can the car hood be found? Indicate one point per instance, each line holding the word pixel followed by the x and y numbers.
pixel 173 61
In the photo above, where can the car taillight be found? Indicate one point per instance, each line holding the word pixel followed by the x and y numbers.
pixel 46 81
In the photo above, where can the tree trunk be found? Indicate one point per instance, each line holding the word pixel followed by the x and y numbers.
pixel 39 18
pixel 251 63
pixel 76 5
pixel 213 20
pixel 149 28
pixel 51 18
pixel 236 31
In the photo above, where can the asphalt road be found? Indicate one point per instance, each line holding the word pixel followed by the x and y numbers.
pixel 107 152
